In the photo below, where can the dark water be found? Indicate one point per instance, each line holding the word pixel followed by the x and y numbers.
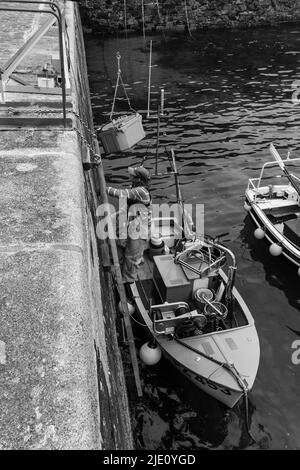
pixel 227 96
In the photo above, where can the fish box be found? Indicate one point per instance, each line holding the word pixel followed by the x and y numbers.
pixel 122 133
pixel 170 280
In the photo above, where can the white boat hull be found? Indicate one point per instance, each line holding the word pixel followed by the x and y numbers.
pixel 223 394
pixel 202 362
pixel 273 234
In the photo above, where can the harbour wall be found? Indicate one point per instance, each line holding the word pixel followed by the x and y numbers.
pixel 110 16
pixel 62 380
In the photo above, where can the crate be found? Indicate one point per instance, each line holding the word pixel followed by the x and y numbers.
pixel 46 82
pixel 122 133
pixel 170 280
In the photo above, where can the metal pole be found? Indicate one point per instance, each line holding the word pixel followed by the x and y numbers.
pixel 149 80
pixel 143 20
pixel 63 78
pixel 125 17
pixel 187 18
pixel 162 100
pixel 2 89
pixel 157 139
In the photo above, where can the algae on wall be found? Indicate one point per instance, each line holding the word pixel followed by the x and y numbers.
pixel 109 15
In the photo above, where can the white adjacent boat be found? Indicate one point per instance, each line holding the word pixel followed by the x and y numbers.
pixel 196 316
pixel 275 208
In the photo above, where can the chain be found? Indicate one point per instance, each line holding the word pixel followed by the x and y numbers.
pixel 86 126
pixel 96 156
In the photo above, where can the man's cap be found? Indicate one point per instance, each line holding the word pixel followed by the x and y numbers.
pixel 139 172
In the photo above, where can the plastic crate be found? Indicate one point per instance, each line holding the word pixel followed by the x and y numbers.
pixel 46 82
pixel 122 133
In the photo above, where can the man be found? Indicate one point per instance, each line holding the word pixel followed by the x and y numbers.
pixel 138 220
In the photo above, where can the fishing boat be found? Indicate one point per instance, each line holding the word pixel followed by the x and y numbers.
pixel 194 315
pixel 275 208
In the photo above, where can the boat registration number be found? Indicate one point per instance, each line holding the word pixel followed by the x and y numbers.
pixel 201 379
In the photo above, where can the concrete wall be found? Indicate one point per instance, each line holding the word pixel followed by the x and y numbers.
pixel 62 384
pixel 109 15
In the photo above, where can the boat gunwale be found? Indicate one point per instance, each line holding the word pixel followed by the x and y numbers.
pixel 161 338
pixel 265 221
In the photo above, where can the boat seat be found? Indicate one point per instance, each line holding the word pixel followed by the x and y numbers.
pixel 283 217
pixel 292 231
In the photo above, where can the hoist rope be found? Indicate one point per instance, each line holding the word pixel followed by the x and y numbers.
pixel 120 79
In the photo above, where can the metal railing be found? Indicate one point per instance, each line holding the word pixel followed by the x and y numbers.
pixel 23 51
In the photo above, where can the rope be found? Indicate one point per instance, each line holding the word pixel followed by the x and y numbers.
pixel 231 368
pixel 119 79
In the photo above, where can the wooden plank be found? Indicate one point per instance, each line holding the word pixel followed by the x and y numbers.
pixel 14 77
pixel 119 282
pixel 105 255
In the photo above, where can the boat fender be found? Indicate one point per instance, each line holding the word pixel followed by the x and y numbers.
pixel 298 271
pixel 150 353
pixel 247 207
pixel 130 306
pixel 275 249
pixel 259 233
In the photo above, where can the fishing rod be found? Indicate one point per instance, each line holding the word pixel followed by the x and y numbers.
pixel 280 162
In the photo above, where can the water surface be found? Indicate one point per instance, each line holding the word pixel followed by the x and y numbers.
pixel 228 94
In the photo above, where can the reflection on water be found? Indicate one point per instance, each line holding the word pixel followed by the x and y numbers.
pixel 227 96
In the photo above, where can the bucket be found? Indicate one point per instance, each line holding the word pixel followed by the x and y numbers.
pixel 209 311
pixel 197 296
pixel 156 247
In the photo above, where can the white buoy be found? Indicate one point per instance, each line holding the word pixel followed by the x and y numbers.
pixel 259 233
pixel 298 271
pixel 150 354
pixel 247 207
pixel 131 308
pixel 275 249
